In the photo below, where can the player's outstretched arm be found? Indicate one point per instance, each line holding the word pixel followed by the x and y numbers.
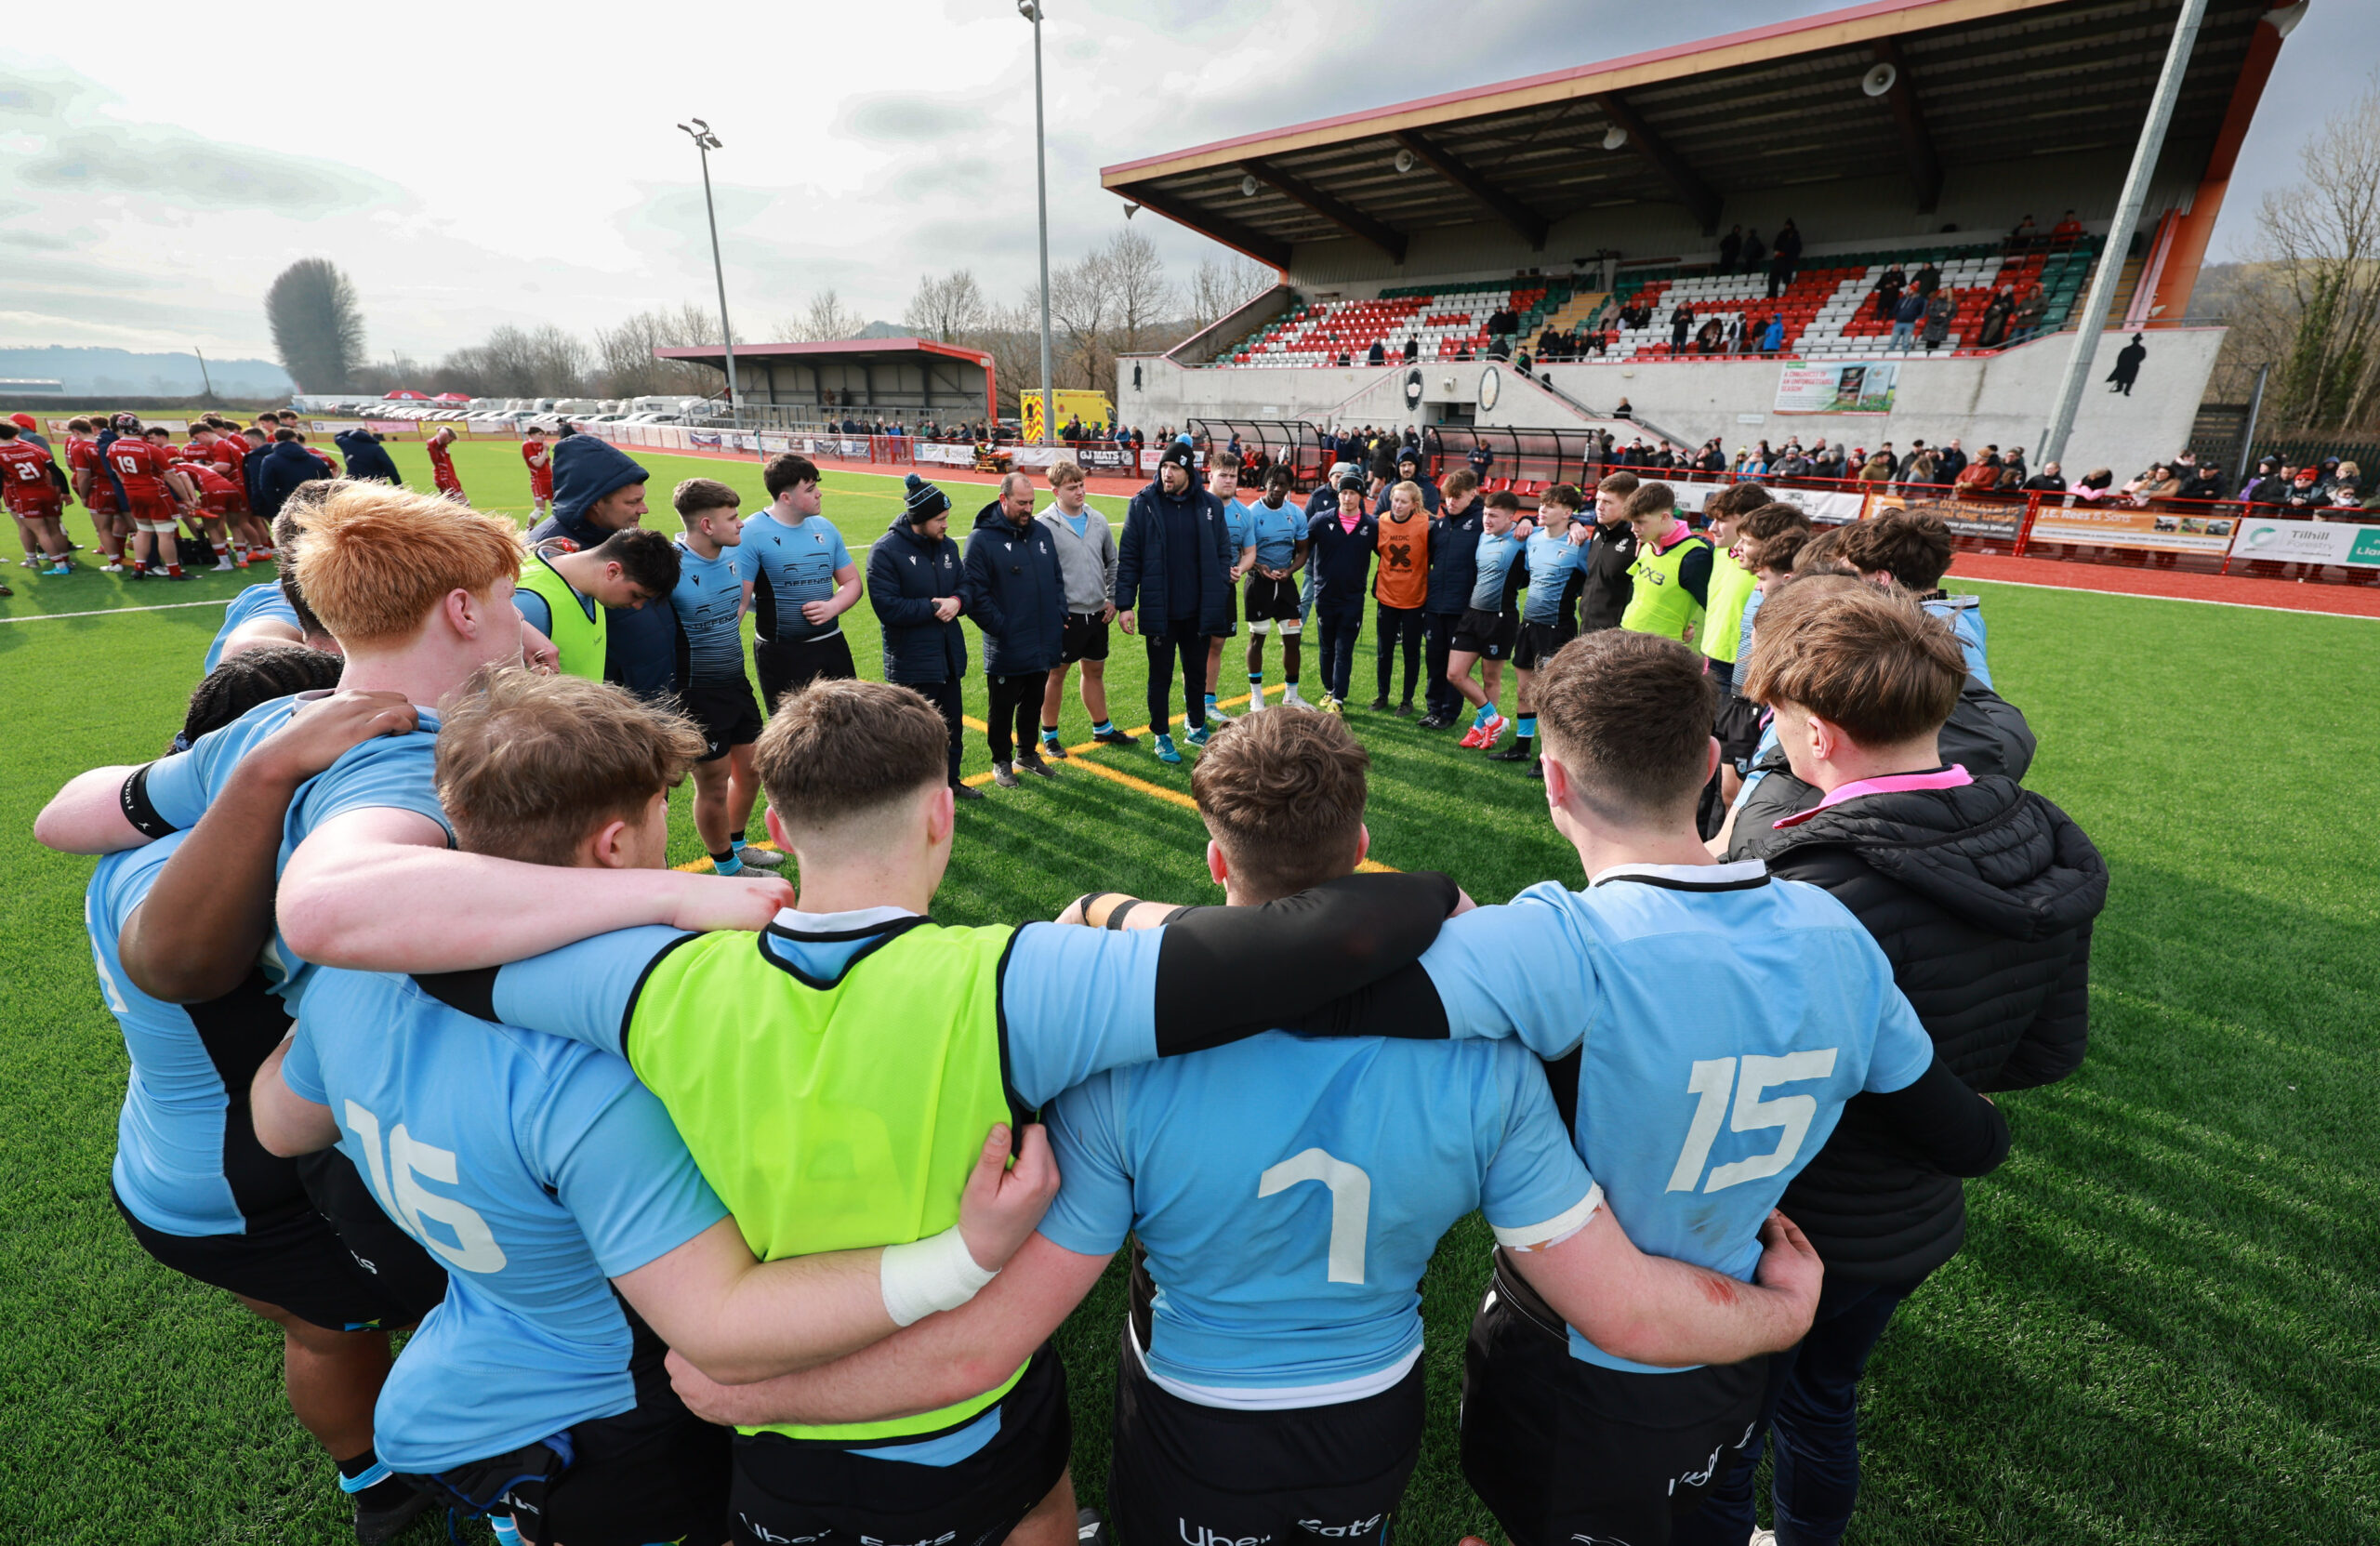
pixel 86 816
pixel 738 1321
pixel 378 890
pixel 1652 1310
pixel 941 1360
pixel 196 935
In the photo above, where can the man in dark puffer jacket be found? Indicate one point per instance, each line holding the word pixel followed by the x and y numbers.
pixel 1982 896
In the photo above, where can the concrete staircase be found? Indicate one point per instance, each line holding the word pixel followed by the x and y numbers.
pixel 1578 308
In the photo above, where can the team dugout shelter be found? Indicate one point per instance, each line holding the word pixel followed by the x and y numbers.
pixel 805 384
pixel 1905 131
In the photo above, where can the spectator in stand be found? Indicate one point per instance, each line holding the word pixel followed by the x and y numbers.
pixel 1432 448
pixel 1521 362
pixel 1950 461
pixel 1681 323
pixel 1994 331
pixel 1772 338
pixel 1756 251
pixel 1928 280
pixel 1879 469
pixel 2266 475
pixel 1731 249
pixel 2204 480
pixel 1907 313
pixel 1888 289
pixel 1480 461
pixel 1939 313
pixel 2159 482
pixel 1979 476
pixel 2067 231
pixel 2347 494
pixel 2051 479
pixel 1733 343
pixel 2304 490
pixel 2025 237
pixel 1785 256
pixel 1714 457
pixel 2012 469
pixel 1712 338
pixel 2030 312
pixel 1500 348
pixel 2095 485
pixel 1623 411
pixel 1412 348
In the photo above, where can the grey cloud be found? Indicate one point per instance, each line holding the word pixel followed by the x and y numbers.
pixel 902 118
pixel 923 179
pixel 36 241
pixel 177 166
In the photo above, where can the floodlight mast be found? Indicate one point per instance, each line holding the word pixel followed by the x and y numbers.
pixel 1031 11
pixel 706 142
pixel 2091 327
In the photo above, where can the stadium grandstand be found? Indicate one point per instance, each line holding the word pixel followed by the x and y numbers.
pixel 1667 243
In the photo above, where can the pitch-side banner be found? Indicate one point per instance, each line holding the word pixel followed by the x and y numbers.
pixel 2151 531
pixel 1826 507
pixel 1852 387
pixel 943 455
pixel 1981 518
pixel 2307 541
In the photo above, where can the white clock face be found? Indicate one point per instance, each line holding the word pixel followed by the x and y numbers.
pixel 1490 382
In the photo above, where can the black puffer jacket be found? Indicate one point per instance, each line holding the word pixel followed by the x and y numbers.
pixel 1982 898
pixel 1986 734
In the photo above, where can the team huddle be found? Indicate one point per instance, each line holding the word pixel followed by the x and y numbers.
pixel 721 1209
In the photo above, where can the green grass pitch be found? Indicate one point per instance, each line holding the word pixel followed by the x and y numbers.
pixel 2161 1328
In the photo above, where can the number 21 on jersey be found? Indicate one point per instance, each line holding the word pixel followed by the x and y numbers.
pixel 1713 1079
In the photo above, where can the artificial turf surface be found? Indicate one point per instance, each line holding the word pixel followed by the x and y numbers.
pixel 2161 1330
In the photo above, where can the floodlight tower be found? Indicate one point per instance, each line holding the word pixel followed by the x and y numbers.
pixel 1031 11
pixel 706 142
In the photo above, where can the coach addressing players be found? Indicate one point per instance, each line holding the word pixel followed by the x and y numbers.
pixel 1175 563
pixel 1017 595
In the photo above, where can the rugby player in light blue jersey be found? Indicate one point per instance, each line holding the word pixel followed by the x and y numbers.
pixel 1288 1192
pixel 1276 529
pixel 710 600
pixel 198 1193
pixel 417 591
pixel 1556 556
pixel 1240 525
pixel 802 581
pixel 1705 1025
pixel 1491 620
pixel 544 1176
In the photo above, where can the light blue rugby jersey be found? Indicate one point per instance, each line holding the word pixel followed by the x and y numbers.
pixel 257 601
pixel 535 1169
pixel 1552 560
pixel 708 602
pixel 788 565
pixel 1965 614
pixel 1498 554
pixel 397 771
pixel 1277 531
pixel 1723 1019
pixel 174 1145
pixel 1240 522
pixel 1289 1192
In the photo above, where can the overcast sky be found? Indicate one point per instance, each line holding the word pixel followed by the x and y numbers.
pixel 486 167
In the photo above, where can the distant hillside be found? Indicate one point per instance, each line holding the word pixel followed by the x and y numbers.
pixel 121 373
pixel 886 330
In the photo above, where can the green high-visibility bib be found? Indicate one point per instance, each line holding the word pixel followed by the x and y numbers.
pixel 1730 587
pixel 578 640
pixel 832 1116
pixel 1658 603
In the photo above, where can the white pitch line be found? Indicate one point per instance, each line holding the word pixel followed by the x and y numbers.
pixel 2145 596
pixel 112 611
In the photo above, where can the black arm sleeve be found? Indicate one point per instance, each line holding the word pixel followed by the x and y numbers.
pixel 1224 973
pixel 1693 574
pixel 134 799
pixel 2060 1033
pixel 473 992
pixel 1944 1121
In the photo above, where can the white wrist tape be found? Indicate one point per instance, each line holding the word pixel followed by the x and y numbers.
pixel 929 1275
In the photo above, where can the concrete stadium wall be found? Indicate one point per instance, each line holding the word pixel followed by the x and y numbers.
pixel 2002 398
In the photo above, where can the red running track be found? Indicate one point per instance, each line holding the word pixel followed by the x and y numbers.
pixel 2342 600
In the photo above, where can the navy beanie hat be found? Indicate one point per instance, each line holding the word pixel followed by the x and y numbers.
pixel 923 500
pixel 1181 455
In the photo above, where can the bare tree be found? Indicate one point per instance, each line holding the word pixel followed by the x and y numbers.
pixel 317 323
pixel 1082 316
pixel 626 366
pixel 1012 335
pixel 946 309
pixel 1220 286
pixel 2320 245
pixel 1144 298
pixel 827 319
